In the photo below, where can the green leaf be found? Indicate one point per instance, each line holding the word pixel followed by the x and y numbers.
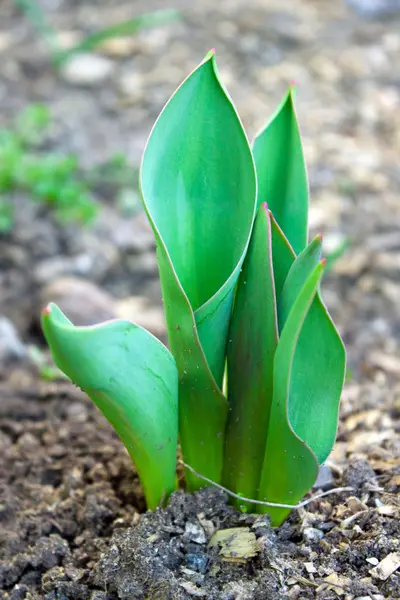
pixel 253 337
pixel 319 363
pixel 199 191
pixel 133 380
pixel 320 359
pixel 123 28
pixel 31 124
pixel 281 172
pixel 297 275
pixel 282 256
pixel 290 467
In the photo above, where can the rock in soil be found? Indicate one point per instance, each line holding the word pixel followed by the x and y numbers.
pixel 83 302
pixel 87 70
pixel 11 347
pixel 375 8
pixel 139 310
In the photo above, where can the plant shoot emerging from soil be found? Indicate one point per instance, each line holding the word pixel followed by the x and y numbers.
pixel 252 381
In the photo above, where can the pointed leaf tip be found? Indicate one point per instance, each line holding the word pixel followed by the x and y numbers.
pixel 210 54
pixel 46 311
pixel 281 172
pixel 323 262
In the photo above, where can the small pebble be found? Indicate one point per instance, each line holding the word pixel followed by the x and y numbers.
pixel 19 592
pixel 11 347
pixel 83 302
pixel 87 70
pixel 374 9
pixel 99 596
pixel 197 562
pixel 195 533
pixel 386 567
pixel 325 479
pixel 312 534
pixel 310 568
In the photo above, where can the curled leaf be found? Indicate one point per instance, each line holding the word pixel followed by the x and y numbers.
pixel 132 378
pixel 290 466
pixel 199 193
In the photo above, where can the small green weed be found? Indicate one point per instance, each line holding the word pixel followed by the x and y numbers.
pixel 46 371
pixel 59 56
pixel 48 178
pixel 57 180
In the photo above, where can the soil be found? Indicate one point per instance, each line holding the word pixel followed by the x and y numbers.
pixel 73 524
pixel 72 520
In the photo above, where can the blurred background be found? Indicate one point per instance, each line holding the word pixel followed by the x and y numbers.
pixel 81 83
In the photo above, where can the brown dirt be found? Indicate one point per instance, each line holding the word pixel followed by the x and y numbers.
pixel 71 524
pixel 71 510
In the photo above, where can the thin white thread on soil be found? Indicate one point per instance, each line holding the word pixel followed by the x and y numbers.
pixel 337 490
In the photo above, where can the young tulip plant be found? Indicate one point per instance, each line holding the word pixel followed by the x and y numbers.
pixel 252 381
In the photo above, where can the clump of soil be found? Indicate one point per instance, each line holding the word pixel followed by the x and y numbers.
pixel 65 485
pixel 72 521
pixel 170 554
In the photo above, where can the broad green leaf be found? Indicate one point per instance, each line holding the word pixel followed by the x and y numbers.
pixel 133 380
pixel 290 467
pixel 320 359
pixel 253 337
pixel 281 172
pixel 199 190
pixel 319 367
pixel 298 274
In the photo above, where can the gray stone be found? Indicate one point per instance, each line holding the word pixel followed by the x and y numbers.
pixel 87 69
pixel 325 479
pixel 83 302
pixel 133 235
pixel 48 269
pixel 312 534
pixel 11 347
pixel 197 562
pixel 373 9
pixel 140 311
pixel 195 533
pixel 19 592
pixel 145 263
